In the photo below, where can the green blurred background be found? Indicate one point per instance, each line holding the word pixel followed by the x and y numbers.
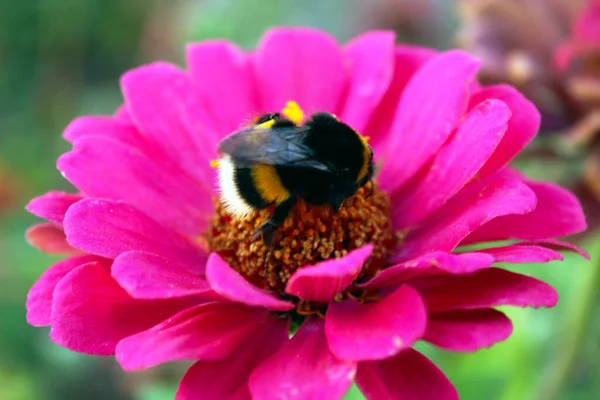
pixel 63 58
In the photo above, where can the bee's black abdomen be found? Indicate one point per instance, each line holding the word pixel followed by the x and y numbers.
pixel 247 188
pixel 336 143
pixel 316 187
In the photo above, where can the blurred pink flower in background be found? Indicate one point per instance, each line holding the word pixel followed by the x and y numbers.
pixel 582 47
pixel 156 273
pixel 578 59
pixel 551 51
pixel 516 41
pixel 420 22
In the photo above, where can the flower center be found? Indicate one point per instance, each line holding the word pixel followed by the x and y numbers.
pixel 310 234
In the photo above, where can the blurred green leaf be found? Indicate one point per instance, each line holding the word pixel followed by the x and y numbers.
pixel 157 392
pixel 354 394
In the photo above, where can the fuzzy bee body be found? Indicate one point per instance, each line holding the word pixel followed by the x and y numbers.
pixel 276 163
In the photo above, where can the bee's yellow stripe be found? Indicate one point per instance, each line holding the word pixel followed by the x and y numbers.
pixel 268 184
pixel 366 158
pixel 267 124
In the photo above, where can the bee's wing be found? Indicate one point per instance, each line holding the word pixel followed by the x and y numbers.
pixel 281 146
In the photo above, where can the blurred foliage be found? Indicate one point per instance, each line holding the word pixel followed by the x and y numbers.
pixel 63 58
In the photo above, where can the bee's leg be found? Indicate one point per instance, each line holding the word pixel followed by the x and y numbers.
pixel 268 228
pixel 267 261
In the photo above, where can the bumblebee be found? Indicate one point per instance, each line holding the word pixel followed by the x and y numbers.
pixel 276 162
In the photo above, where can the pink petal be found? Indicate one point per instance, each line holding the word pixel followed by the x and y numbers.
pixel 227 282
pixel 113 128
pixel 148 276
pixel 300 64
pixel 455 164
pixel 522 126
pixel 424 121
pixel 39 298
pixel 223 75
pixel 228 378
pixel 91 312
pixel 467 330
pixel 373 331
pixel 558 245
pixel 108 228
pixel 304 368
pixel 407 60
pixel 430 264
pixel 166 107
pixel 558 213
pixel 323 281
pixel 103 167
pixel 52 205
pixel 205 332
pixel 488 288
pixel 370 58
pixel 407 376
pixel 475 205
pixel 49 238
pixel 519 253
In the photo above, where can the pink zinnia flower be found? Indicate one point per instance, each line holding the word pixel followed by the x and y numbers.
pixel 156 273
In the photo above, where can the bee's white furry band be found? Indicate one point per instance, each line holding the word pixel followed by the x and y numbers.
pixel 230 195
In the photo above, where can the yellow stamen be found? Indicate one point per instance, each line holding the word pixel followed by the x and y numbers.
pixel 215 163
pixel 293 111
pixel 367 155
